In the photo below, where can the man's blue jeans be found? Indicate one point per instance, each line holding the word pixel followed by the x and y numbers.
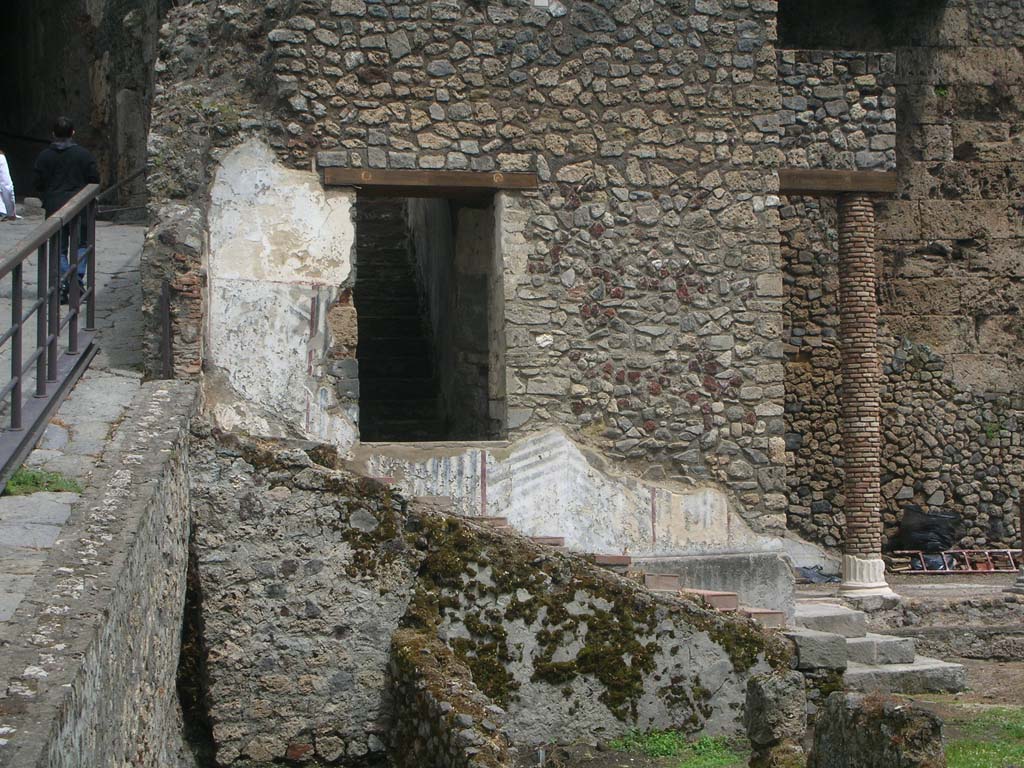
pixel 65 265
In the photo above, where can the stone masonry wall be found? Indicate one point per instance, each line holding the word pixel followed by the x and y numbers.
pixel 838 109
pixel 642 291
pixel 950 296
pixel 945 447
pixel 951 241
pixel 440 718
pixel 306 572
pixel 87 675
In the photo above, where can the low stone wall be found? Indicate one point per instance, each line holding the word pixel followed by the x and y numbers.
pixel 90 656
pixel 838 109
pixel 305 572
pixel 440 718
pixel 986 627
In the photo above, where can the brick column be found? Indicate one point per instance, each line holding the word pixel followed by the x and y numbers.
pixel 863 569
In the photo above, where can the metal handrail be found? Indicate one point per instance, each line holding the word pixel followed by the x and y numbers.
pixel 54 373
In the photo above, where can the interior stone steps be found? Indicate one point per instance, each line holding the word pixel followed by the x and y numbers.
pixel 387 301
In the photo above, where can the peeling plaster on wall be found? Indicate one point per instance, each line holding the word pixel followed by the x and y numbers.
pixel 547 486
pixel 279 248
pixel 270 223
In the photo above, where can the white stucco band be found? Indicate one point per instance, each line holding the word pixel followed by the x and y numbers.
pixel 546 484
pixel 280 246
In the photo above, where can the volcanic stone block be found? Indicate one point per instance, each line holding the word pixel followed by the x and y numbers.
pixel 854 731
pixel 818 650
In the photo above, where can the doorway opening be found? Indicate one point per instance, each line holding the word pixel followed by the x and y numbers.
pixel 429 303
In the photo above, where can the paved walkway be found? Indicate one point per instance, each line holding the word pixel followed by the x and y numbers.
pixel 74 440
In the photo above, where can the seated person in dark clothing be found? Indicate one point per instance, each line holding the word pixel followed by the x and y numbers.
pixel 61 171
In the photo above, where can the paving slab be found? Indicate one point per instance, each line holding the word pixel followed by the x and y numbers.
pixel 29 535
pixel 44 507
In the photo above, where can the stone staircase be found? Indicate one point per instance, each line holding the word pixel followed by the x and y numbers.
pixel 829 636
pixel 665 583
pixel 398 387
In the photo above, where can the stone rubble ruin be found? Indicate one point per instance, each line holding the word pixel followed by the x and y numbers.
pixel 633 303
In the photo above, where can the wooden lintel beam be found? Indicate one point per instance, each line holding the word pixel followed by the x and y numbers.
pixel 424 180
pixel 810 182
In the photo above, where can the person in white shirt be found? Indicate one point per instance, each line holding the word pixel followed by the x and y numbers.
pixel 7 210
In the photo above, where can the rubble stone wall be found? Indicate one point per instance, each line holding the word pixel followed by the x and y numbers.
pixel 440 718
pixel 949 246
pixel 838 109
pixel 90 657
pixel 945 447
pixel 642 286
pixel 306 571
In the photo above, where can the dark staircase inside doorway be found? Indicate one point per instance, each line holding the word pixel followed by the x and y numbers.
pixel 398 386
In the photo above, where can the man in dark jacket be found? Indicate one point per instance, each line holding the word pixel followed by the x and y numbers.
pixel 60 172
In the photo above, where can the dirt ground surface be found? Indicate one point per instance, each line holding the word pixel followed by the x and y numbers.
pixel 991 682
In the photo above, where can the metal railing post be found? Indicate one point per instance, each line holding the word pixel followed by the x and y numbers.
pixel 42 272
pixel 16 352
pixel 73 288
pixel 90 302
pixel 53 299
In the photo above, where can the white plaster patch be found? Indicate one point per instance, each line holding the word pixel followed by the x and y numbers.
pixel 280 248
pixel 268 340
pixel 268 222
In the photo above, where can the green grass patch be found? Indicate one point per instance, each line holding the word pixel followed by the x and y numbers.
pixel 992 737
pixel 705 752
pixel 26 481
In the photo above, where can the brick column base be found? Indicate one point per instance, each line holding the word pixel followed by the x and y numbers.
pixel 863 569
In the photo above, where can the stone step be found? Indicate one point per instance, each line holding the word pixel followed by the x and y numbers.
pixel 412 388
pixel 662 582
pixel 764 616
pixel 410 326
pixel 880 649
pixel 817 650
pixel 924 675
pixel 830 617
pixel 549 541
pixel 379 348
pixel 612 562
pixel 498 523
pixel 720 601
pixel 400 366
pixel 442 502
